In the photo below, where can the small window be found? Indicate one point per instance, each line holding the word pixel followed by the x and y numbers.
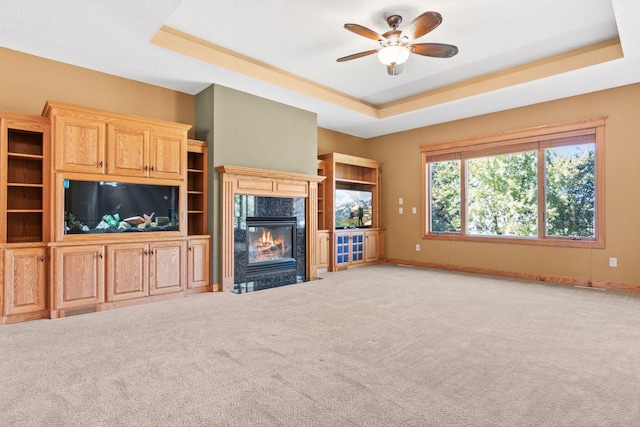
pixel 446 201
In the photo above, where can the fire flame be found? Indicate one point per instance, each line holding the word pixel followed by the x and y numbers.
pixel 267 244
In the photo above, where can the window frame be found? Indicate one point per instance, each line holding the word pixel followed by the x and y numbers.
pixel 536 138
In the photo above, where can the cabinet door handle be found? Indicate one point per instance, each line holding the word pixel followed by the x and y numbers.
pixel 146 168
pixel 101 163
pixel 41 258
pixel 190 248
pixel 146 252
pixel 152 252
pixel 152 169
pixel 100 255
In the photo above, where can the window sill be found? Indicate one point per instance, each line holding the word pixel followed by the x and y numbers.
pixel 513 240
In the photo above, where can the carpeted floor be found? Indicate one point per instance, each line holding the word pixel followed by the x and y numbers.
pixel 376 346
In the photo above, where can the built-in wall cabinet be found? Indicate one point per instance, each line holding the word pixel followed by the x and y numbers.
pixel 137 270
pixel 349 212
pixel 323 249
pixel 24 209
pixel 197 202
pixel 198 264
pixel 98 210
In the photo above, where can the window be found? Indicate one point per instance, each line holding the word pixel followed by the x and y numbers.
pixel 536 186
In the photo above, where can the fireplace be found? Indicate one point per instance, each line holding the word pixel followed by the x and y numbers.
pixel 270 245
pixel 269 242
pixel 251 193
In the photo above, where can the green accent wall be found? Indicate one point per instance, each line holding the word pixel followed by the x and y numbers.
pixel 249 131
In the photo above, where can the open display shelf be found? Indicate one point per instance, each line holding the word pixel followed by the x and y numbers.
pixel 24 186
pixel 196 188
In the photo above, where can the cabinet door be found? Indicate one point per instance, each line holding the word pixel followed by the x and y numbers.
pixel 167 154
pixel 24 281
pixel 198 266
pixel 78 276
pixel 128 151
pixel 80 145
pixel 127 271
pixel 167 267
pixel 371 246
pixel 323 249
pixel 357 248
pixel 342 249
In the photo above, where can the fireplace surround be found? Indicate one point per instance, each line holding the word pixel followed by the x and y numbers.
pixel 272 190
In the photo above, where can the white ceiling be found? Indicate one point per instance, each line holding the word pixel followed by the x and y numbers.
pixel 305 37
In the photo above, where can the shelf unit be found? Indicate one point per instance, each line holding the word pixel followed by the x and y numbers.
pixel 321 196
pixel 352 246
pixel 24 207
pixel 24 186
pixel 199 241
pixel 197 160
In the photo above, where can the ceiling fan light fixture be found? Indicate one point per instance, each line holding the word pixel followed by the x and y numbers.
pixel 393 55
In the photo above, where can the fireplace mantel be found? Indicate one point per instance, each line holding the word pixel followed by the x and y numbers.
pixel 268 183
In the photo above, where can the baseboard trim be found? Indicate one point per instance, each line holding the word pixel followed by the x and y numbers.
pixel 575 281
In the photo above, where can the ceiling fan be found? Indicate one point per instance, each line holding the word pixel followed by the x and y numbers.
pixel 396 45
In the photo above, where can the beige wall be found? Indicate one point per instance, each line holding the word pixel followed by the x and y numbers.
pixel 401 165
pixel 330 141
pixel 29 81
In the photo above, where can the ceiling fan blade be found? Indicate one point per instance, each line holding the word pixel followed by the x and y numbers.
pixel 363 31
pixel 436 50
pixel 356 55
pixel 422 25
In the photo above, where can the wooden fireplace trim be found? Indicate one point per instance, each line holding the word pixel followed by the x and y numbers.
pixel 262 182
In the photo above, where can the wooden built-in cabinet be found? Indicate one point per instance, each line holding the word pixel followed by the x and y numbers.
pixel 136 270
pixel 24 179
pixel 323 249
pixel 197 160
pixel 127 271
pixel 78 277
pixel 97 142
pixel 101 271
pixel 198 264
pixel 80 141
pixel 24 278
pixel 45 272
pixel 350 246
pixel 167 267
pixel 322 170
pixel 24 214
pixel 374 244
pixel 199 242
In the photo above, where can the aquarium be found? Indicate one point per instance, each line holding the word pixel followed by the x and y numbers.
pixel 115 207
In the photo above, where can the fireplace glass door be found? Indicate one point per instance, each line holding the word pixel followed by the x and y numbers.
pixel 271 244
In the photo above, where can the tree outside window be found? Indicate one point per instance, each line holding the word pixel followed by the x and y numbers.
pixel 533 189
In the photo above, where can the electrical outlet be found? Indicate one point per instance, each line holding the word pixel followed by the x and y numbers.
pixel 414 210
pixel 400 211
pixel 613 262
pixel 400 201
pixel 418 247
